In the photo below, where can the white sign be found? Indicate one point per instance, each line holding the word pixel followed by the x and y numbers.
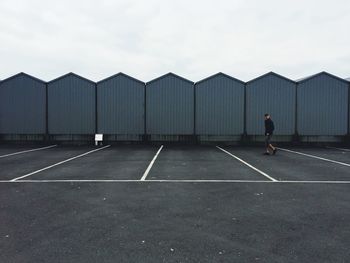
pixel 98 137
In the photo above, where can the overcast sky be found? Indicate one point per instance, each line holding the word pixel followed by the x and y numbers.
pixel 195 39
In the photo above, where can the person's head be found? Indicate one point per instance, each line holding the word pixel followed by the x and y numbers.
pixel 267 116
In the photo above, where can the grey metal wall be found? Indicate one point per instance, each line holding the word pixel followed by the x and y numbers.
pixel 273 94
pixel 71 105
pixel 322 105
pixel 22 105
pixel 120 105
pixel 219 106
pixel 170 106
pixel 348 106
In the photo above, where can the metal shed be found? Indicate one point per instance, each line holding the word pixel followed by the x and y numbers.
pixel 22 105
pixel 322 105
pixel 219 106
pixel 348 79
pixel 121 107
pixel 169 106
pixel 71 105
pixel 274 94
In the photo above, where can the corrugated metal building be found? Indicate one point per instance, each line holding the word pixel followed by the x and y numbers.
pixel 22 105
pixel 169 106
pixel 121 107
pixel 219 107
pixel 322 105
pixel 173 108
pixel 71 105
pixel 348 79
pixel 274 94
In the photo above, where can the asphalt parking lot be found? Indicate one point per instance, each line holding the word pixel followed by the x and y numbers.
pixel 143 203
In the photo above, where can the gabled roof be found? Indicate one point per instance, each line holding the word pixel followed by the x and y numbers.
pixel 73 75
pixel 307 77
pixel 220 74
pixel 24 75
pixel 170 74
pixel 318 74
pixel 120 74
pixel 273 74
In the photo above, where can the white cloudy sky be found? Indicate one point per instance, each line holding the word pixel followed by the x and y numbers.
pixel 195 39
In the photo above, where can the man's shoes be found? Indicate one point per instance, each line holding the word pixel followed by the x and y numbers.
pixel 274 151
pixel 266 154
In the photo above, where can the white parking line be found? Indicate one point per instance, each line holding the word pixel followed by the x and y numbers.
pixel 247 164
pixel 174 181
pixel 143 178
pixel 314 156
pixel 340 149
pixel 59 163
pixel 27 151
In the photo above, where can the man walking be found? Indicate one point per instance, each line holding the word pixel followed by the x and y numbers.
pixel 269 128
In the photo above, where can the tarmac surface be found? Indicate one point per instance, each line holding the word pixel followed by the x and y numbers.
pixel 174 204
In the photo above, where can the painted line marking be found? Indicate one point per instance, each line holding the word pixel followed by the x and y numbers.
pixel 314 156
pixel 340 149
pixel 59 163
pixel 249 165
pixel 175 181
pixel 143 178
pixel 27 151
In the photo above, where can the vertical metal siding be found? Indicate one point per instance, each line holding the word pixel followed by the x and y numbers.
pixel 22 106
pixel 322 106
pixel 274 95
pixel 349 107
pixel 170 106
pixel 219 106
pixel 71 106
pixel 120 106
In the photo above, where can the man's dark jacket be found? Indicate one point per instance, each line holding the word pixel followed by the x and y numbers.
pixel 269 127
